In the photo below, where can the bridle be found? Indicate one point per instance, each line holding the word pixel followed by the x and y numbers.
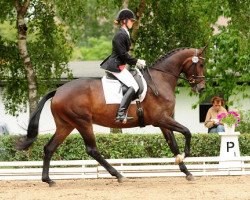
pixel 194 78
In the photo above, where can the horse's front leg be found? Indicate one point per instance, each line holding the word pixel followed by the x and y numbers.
pixel 169 123
pixel 169 136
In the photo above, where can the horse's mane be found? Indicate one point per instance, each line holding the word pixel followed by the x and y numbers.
pixel 170 53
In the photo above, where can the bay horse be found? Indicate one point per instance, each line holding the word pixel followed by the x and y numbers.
pixel 80 104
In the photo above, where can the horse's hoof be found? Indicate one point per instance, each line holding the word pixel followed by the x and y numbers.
pixel 49 181
pixel 190 177
pixel 121 179
pixel 52 184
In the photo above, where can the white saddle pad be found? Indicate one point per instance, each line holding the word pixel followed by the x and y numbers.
pixel 113 91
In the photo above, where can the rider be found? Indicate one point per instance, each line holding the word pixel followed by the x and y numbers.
pixel 116 62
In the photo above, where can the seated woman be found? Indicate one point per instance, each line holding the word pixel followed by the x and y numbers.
pixel 211 121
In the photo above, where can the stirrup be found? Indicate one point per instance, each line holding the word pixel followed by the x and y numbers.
pixel 123 119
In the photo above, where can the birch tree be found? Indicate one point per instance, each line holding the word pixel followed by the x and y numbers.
pixel 45 33
pixel 21 9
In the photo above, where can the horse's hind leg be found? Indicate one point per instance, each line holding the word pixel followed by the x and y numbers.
pixel 169 136
pixel 62 131
pixel 86 131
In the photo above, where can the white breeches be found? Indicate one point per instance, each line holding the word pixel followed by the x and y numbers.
pixel 127 78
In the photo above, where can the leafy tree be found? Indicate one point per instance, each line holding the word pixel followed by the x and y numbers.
pixel 94 42
pixel 31 67
pixel 167 25
pixel 33 59
pixel 229 55
pixel 228 69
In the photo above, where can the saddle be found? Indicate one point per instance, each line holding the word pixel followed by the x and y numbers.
pixel 124 88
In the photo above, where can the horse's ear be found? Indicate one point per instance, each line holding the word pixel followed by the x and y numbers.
pixel 203 49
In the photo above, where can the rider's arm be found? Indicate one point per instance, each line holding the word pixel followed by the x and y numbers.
pixel 121 47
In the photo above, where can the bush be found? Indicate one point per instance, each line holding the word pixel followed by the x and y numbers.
pixel 118 146
pixel 244 125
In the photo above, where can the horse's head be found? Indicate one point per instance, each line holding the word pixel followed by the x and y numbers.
pixel 193 68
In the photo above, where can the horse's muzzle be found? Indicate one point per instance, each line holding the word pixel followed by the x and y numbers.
pixel 199 88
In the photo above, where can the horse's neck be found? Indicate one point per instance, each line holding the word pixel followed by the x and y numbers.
pixel 169 68
pixel 167 72
pixel 161 81
pixel 172 63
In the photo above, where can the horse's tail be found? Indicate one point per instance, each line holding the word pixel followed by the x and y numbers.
pixel 32 131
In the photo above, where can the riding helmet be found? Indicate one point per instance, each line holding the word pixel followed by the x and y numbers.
pixel 125 14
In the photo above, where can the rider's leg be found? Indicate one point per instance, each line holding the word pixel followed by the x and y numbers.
pixel 126 77
pixel 126 100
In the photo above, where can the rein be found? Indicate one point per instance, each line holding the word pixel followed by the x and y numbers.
pixel 177 76
pixel 191 80
pixel 155 90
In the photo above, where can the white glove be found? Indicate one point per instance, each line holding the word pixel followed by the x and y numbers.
pixel 141 63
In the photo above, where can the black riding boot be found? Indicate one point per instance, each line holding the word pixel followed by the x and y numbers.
pixel 127 98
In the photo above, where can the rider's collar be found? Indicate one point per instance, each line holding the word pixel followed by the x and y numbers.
pixel 126 31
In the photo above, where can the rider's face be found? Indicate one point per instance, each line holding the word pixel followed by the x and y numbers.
pixel 130 23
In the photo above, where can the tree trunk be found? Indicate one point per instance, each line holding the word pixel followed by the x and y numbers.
pixel 22 45
pixel 136 26
pixel 125 3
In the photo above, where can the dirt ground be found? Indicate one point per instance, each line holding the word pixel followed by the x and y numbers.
pixel 203 188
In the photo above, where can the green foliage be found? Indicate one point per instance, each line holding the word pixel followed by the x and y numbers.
pixel 53 27
pixel 6 9
pixel 49 50
pixel 95 40
pixel 244 125
pixel 239 11
pixel 98 20
pixel 94 49
pixel 179 24
pixel 70 13
pixel 229 55
pixel 189 23
pixel 12 72
pixel 205 145
pixel 228 69
pixel 118 146
pixel 244 144
pixel 8 31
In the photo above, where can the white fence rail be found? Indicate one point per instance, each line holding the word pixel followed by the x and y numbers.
pixel 143 167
